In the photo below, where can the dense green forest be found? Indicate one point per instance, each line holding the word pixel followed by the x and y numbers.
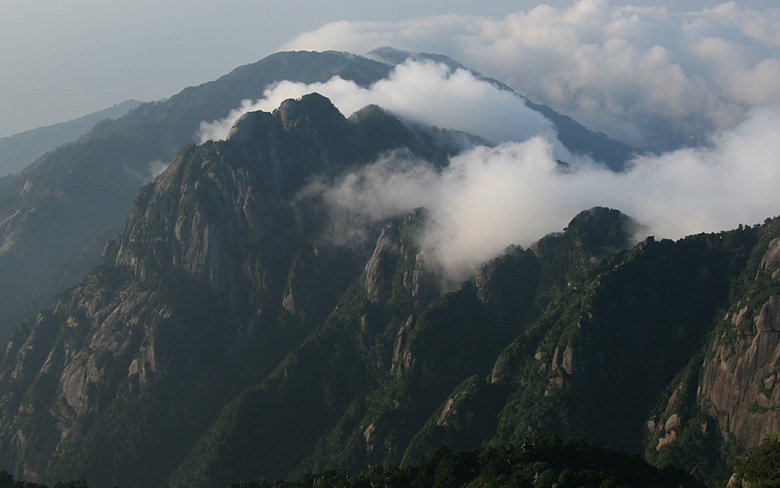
pixel 543 461
pixel 7 481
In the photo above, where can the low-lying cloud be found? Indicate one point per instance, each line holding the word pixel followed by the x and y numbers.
pixel 654 78
pixel 489 198
pixel 697 88
pixel 424 92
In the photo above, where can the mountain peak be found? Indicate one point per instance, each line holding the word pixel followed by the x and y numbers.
pixel 604 228
pixel 390 55
pixel 247 125
pixel 311 108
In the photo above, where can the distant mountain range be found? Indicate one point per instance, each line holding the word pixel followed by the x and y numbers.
pixel 224 335
pixel 19 150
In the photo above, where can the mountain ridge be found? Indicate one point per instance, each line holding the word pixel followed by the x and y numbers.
pixel 199 231
pixel 17 151
pixel 225 336
pixel 156 130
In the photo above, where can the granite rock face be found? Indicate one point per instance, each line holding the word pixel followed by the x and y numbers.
pixel 220 271
pixel 739 383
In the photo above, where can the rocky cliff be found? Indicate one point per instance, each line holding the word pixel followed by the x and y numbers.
pixel 724 400
pixel 227 336
pixel 218 274
pixel 56 216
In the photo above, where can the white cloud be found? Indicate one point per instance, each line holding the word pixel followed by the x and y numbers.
pixel 761 26
pixel 655 78
pixel 489 198
pixel 700 85
pixel 424 92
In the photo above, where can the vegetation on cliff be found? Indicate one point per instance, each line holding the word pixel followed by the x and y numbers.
pixel 226 335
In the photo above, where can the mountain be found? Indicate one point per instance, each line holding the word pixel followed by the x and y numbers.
pixel 216 229
pixel 19 150
pixel 49 237
pixel 56 216
pixel 226 335
pixel 573 135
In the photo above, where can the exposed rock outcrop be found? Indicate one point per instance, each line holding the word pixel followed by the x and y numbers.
pixel 381 265
pixel 218 274
pixel 738 383
pixel 738 386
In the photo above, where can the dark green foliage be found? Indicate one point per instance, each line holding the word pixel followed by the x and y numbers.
pixel 349 378
pixel 225 335
pixel 628 328
pixel 761 467
pixel 509 284
pixel 469 415
pixel 590 236
pixel 8 481
pixel 541 461
pixel 699 446
pixel 454 338
pixel 604 338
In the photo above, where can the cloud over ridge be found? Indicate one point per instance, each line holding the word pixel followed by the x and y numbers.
pixel 489 198
pixel 422 91
pixel 699 89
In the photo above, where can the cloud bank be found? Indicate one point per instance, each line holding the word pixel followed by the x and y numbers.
pixel 489 198
pixel 698 88
pixel 657 79
pixel 425 92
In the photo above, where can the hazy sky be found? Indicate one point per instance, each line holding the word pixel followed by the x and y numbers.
pixel 61 59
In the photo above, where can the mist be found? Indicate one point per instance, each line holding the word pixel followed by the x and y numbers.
pixel 421 91
pixel 699 89
pixel 515 193
pixel 655 78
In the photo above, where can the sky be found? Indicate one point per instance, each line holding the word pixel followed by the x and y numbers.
pixel 61 60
